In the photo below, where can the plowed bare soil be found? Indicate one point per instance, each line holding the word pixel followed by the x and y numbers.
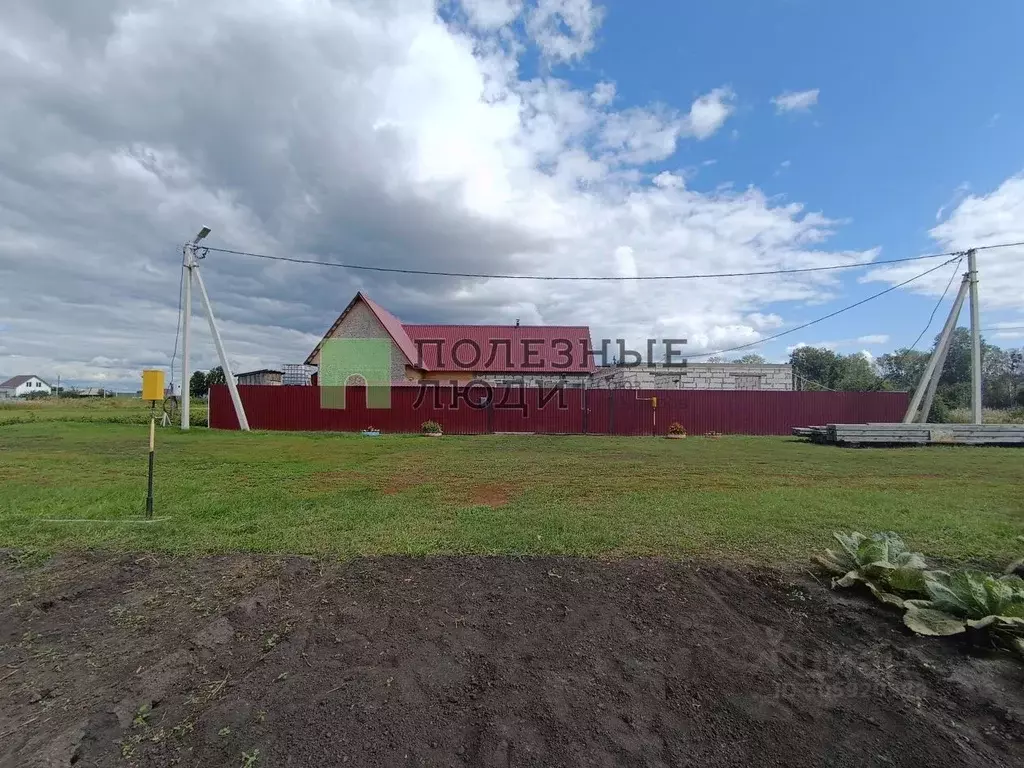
pixel 249 661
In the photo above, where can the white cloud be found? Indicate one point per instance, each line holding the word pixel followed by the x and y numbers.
pixel 795 101
pixel 764 322
pixel 667 179
pixel 976 221
pixel 491 14
pixel 955 199
pixel 709 112
pixel 564 30
pixel 603 94
pixel 874 338
pixel 372 133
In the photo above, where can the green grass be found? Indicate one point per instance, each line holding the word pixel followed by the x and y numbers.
pixel 755 499
pixel 112 410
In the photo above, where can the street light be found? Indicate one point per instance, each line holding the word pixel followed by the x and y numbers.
pixel 202 233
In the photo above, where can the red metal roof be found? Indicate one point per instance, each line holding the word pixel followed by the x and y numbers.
pixel 545 353
pixel 393 326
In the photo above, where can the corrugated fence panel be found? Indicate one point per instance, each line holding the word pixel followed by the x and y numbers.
pixel 571 411
pixel 538 410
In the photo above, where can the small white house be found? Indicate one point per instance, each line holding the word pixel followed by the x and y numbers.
pixel 18 386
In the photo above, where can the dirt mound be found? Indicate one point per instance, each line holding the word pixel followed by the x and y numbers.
pixel 248 661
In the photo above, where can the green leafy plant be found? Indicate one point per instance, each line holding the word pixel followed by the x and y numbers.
pixel 430 427
pixel 970 600
pixel 881 562
pixel 675 428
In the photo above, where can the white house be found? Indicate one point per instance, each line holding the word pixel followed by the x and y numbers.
pixel 16 386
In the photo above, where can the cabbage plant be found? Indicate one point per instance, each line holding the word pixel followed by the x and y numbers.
pixel 964 600
pixel 881 562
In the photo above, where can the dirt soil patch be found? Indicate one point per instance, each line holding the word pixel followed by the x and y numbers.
pixel 243 660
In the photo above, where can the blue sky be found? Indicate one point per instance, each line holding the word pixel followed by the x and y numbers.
pixel 504 136
pixel 916 99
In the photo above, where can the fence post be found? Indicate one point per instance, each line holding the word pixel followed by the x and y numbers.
pixel 611 411
pixel 490 415
pixel 586 411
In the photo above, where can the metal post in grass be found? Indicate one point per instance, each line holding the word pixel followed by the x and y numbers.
pixel 152 390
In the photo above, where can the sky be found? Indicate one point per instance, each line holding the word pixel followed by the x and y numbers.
pixel 535 137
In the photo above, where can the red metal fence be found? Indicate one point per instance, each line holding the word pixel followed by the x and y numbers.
pixel 568 411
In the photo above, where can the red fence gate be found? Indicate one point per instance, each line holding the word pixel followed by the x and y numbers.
pixel 569 411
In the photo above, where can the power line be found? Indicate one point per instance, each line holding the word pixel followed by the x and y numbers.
pixel 935 309
pixel 829 316
pixel 433 273
pixel 815 383
pixel 177 330
pixel 998 245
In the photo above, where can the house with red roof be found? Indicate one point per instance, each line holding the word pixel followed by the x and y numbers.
pixel 530 355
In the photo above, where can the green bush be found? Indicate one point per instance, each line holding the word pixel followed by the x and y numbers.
pixel 940 412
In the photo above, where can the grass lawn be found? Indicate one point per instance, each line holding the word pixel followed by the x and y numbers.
pixel 767 500
pixel 112 410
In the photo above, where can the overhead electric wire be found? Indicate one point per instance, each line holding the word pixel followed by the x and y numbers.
pixel 829 316
pixel 177 330
pixel 938 304
pixel 956 256
pixel 482 275
pixel 997 245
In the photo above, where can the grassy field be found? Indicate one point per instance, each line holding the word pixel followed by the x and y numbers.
pixel 111 410
pixel 764 500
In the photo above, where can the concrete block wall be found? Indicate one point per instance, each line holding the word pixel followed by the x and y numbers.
pixel 723 376
pixel 546 381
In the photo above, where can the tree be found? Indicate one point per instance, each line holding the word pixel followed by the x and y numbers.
pixel 197 386
pixel 856 373
pixel 215 376
pixel 816 366
pixel 902 370
pixel 752 359
pixel 820 368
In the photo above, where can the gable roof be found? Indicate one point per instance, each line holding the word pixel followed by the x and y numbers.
pixel 16 381
pixel 391 324
pixel 545 352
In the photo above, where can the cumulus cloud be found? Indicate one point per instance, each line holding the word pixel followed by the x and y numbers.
pixel 709 112
pixel 564 29
pixel 359 132
pixel 795 101
pixel 977 221
pixel 491 14
pixel 603 94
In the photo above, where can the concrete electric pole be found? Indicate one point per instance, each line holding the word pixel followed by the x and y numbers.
pixel 190 264
pixel 925 392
